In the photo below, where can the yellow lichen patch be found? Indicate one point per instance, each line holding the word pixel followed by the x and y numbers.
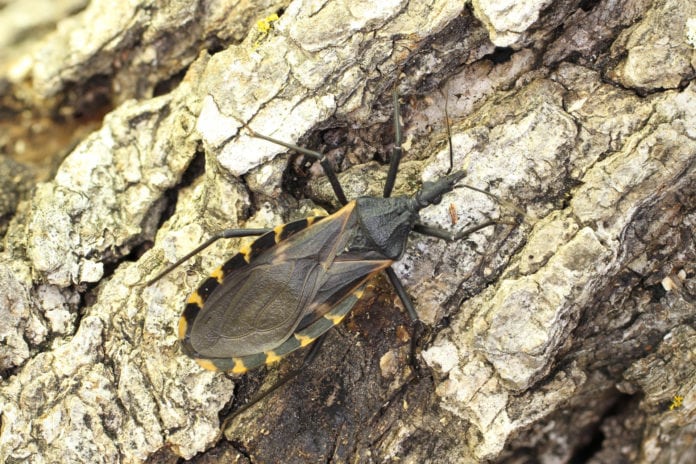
pixel 264 26
pixel 677 402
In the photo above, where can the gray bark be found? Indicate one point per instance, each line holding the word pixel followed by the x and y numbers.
pixel 566 336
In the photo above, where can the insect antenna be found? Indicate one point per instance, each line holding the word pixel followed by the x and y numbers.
pixel 449 236
pixel 499 200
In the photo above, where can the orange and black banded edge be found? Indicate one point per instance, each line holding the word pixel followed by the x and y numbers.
pixel 299 339
pixel 196 301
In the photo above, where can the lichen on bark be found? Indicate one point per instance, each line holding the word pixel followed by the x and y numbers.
pixel 566 335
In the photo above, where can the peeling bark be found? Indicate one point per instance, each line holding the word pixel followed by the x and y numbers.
pixel 569 336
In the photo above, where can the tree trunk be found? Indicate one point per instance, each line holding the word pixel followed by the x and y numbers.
pixel 563 332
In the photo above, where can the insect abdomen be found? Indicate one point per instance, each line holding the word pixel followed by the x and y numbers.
pixel 299 339
pixel 196 301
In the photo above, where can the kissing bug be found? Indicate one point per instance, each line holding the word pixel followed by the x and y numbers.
pixel 296 281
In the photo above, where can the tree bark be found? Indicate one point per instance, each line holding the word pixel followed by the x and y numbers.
pixel 566 333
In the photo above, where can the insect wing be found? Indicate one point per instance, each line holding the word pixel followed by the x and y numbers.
pixel 328 309
pixel 343 278
pixel 255 309
pixel 258 306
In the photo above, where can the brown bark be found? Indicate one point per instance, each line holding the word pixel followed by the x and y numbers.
pixel 567 336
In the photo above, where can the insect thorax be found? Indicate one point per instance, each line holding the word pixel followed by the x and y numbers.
pixel 383 226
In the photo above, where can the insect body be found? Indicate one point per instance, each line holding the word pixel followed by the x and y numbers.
pixel 297 281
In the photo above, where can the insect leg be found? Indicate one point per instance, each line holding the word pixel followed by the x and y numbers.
pixel 330 173
pixel 309 357
pixel 401 292
pixel 396 151
pixel 229 233
pixel 419 327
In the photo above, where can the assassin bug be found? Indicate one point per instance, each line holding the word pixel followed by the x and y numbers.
pixel 296 281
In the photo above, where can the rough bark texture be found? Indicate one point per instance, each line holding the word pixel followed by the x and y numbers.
pixel 566 337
